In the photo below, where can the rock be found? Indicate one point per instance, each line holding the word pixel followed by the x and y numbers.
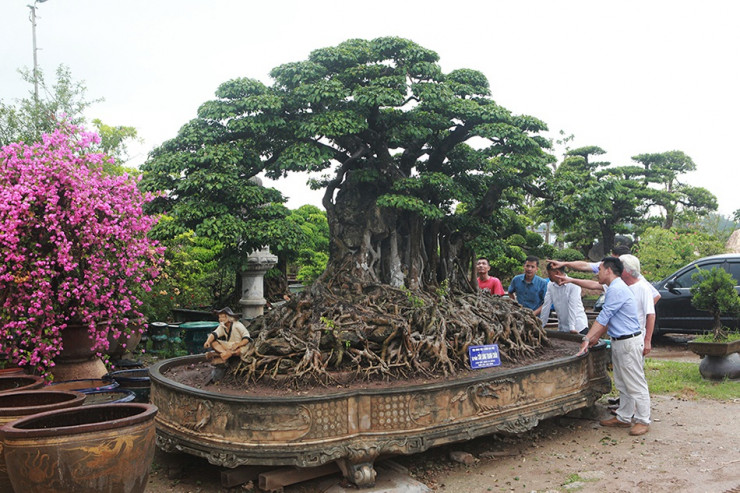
pixel 462 457
pixel 490 454
pixel 733 244
pixel 577 485
pixel 591 475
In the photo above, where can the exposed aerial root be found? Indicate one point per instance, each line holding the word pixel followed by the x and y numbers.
pixel 373 331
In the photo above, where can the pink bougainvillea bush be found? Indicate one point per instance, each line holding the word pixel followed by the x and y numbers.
pixel 74 248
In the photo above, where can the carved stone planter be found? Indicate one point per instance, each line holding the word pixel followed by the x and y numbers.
pixel 355 427
pixel 88 449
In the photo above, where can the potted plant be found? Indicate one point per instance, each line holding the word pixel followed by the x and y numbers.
pixel 714 291
pixel 75 249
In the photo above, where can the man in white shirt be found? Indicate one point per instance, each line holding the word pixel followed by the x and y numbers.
pixel 567 301
pixel 644 296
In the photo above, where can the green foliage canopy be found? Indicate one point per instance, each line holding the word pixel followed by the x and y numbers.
pixel 714 292
pixel 407 151
pixel 663 251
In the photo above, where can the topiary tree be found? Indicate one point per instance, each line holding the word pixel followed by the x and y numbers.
pixel 714 292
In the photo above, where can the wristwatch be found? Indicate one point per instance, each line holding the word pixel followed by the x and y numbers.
pixel 586 339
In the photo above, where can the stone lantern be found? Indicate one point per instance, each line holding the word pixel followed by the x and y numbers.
pixel 253 291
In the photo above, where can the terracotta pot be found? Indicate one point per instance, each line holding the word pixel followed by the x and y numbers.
pixel 95 449
pixel 109 397
pixel 77 360
pixel 76 344
pixel 137 381
pixel 11 372
pixel 14 383
pixel 16 405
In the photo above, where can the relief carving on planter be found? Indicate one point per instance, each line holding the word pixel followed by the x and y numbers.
pixel 274 423
pixel 488 397
pixel 392 412
pixel 520 425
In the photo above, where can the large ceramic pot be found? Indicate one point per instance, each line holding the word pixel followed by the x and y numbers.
pixel 89 449
pixel 137 381
pixel 14 383
pixel 77 360
pixel 16 405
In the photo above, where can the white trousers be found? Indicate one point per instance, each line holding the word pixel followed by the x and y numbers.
pixel 629 379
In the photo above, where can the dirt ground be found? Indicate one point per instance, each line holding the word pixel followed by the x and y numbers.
pixel 692 446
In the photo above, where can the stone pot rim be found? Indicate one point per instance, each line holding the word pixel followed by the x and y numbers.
pixel 76 399
pixel 711 348
pixel 31 382
pixel 15 430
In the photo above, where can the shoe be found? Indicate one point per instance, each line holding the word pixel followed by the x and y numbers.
pixel 614 401
pixel 614 423
pixel 639 429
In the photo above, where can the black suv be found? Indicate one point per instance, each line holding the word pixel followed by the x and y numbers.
pixel 674 311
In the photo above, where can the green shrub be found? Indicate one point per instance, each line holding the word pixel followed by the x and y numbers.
pixel 663 251
pixel 568 255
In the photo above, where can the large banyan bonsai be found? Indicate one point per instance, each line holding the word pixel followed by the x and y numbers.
pixel 418 163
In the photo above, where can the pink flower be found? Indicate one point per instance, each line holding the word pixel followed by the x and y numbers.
pixel 75 247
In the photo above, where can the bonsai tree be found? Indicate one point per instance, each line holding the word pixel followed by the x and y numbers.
pixel 74 245
pixel 714 292
pixel 415 163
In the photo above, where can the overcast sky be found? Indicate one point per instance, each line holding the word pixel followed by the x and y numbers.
pixel 631 77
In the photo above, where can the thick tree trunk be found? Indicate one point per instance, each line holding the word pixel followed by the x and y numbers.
pixel 379 245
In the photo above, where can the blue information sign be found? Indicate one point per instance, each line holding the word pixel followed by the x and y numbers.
pixel 483 356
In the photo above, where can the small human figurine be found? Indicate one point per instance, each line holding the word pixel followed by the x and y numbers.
pixel 229 339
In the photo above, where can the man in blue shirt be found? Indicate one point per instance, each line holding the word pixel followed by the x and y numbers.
pixel 619 318
pixel 529 289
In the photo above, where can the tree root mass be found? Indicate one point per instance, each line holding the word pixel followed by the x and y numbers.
pixel 374 331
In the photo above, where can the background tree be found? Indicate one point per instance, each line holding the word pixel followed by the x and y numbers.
pixel 663 251
pixel 190 278
pixel 209 193
pixel 676 199
pixel 418 163
pixel 65 101
pixel 309 260
pixel 593 200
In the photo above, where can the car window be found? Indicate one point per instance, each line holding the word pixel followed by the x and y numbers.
pixel 735 271
pixel 684 280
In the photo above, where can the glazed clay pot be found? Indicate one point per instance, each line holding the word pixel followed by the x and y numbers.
pixel 16 405
pixel 16 383
pixel 89 449
pixel 77 360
